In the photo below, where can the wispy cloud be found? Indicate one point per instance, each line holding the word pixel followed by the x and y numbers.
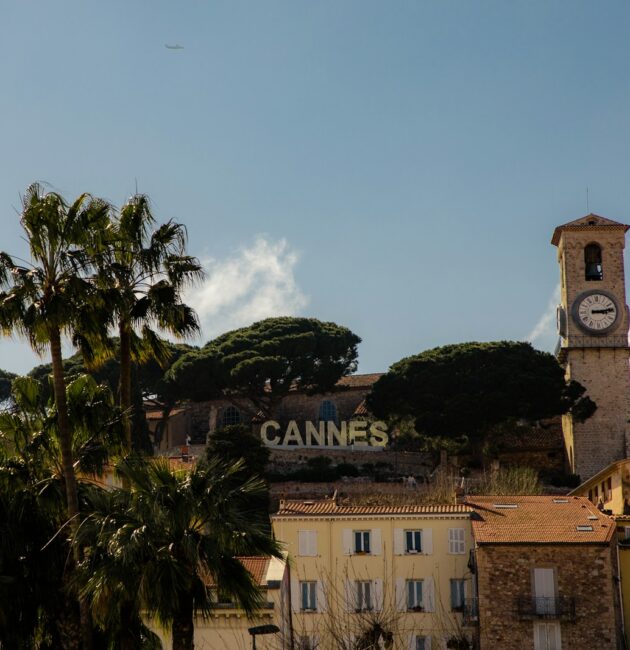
pixel 255 282
pixel 543 334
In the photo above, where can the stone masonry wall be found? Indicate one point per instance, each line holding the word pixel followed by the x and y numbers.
pixel 603 371
pixel 600 440
pixel 585 572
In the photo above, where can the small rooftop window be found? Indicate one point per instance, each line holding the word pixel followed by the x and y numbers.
pixel 585 529
pixel 593 517
pixel 561 500
pixel 506 505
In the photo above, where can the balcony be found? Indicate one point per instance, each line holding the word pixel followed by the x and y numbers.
pixel 560 607
pixel 471 611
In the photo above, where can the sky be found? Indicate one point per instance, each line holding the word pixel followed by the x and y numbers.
pixel 396 167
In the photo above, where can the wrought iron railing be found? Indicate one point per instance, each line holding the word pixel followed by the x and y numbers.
pixel 560 607
pixel 471 611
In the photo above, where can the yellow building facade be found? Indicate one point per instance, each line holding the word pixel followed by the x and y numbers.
pixel 226 626
pixel 609 489
pixel 385 574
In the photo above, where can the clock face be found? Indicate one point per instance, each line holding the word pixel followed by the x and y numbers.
pixel 595 312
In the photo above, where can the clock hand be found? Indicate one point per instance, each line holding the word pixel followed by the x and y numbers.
pixel 602 311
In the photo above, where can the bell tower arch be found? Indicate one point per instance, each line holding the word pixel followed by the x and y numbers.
pixel 593 345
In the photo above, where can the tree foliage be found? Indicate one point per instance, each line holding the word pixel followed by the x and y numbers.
pixel 38 608
pixel 158 546
pixel 5 384
pixel 264 361
pixel 147 380
pixel 466 389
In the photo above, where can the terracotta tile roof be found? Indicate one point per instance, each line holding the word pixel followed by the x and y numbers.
pixel 361 409
pixel 538 520
pixel 328 507
pixel 158 415
pixel 256 565
pixel 359 381
pixel 583 224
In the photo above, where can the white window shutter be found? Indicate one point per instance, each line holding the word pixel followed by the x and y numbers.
pixel 312 543
pixel 378 595
pixel 427 643
pixel 351 598
pixel 295 594
pixel 412 642
pixel 427 541
pixel 303 542
pixel 429 595
pixel 401 595
pixel 321 597
pixel 347 541
pixel 399 541
pixel 376 541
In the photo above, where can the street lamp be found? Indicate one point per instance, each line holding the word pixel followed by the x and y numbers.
pixel 262 629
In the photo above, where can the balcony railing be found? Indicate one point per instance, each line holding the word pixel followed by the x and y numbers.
pixel 560 607
pixel 471 611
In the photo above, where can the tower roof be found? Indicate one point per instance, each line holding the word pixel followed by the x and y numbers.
pixel 588 222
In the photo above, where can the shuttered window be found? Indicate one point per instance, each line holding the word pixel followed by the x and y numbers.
pixel 456 541
pixel 307 543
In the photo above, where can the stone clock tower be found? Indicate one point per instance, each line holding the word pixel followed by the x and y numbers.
pixel 593 346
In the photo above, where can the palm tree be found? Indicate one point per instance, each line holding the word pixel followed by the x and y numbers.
pixel 141 277
pixel 37 608
pixel 39 299
pixel 157 546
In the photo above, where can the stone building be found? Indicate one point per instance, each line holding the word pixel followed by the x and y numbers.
pixel 593 346
pixel 546 574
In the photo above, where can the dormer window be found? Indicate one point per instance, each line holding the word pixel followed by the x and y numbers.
pixel 593 262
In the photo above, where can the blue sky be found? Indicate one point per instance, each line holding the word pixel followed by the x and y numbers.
pixel 397 167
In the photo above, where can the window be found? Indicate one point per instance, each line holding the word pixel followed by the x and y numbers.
pixel 545 591
pixel 364 595
pixel 361 541
pixel 307 543
pixel 308 596
pixel 415 600
pixel 327 411
pixel 456 541
pixel 413 541
pixel 458 594
pixel 230 416
pixel 307 643
pixel 593 269
pixel 422 643
pixel 547 636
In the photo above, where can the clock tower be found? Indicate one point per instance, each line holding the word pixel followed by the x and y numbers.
pixel 593 346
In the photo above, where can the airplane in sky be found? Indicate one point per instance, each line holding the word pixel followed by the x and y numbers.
pixel 173 47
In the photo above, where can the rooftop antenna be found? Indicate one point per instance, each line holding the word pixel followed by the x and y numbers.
pixel 587 209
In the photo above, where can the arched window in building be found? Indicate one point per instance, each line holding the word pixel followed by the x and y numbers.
pixel 231 415
pixel 593 262
pixel 327 411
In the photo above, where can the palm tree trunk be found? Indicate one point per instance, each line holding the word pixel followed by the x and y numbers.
pixel 125 381
pixel 183 625
pixel 69 477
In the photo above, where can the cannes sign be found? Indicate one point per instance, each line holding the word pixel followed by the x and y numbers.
pixel 355 433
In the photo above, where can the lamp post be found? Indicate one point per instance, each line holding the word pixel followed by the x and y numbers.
pixel 262 629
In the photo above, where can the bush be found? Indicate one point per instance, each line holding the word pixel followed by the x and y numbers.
pixel 510 481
